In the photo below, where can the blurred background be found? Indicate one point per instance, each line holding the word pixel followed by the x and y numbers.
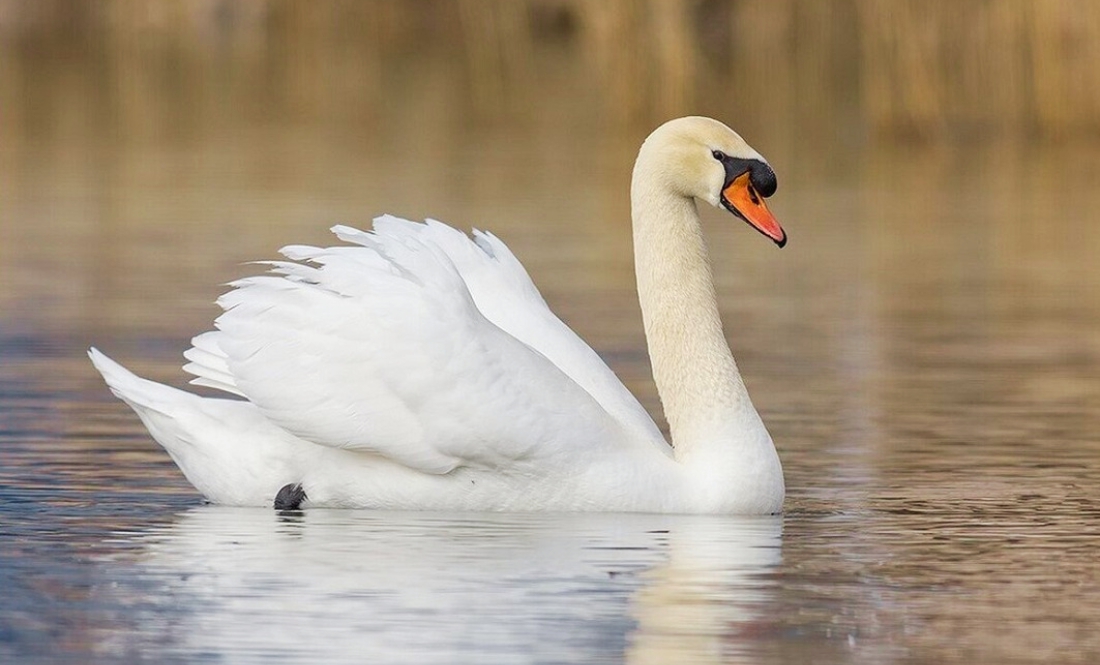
pixel 925 351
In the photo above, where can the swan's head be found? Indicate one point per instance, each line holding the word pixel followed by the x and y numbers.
pixel 702 158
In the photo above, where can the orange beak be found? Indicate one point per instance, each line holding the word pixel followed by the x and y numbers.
pixel 742 199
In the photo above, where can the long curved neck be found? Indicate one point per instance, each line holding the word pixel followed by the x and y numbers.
pixel 701 390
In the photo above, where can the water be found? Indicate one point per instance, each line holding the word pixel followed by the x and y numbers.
pixel 925 352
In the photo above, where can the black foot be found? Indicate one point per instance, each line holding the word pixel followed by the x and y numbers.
pixel 290 497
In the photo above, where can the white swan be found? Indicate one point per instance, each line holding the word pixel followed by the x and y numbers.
pixel 420 369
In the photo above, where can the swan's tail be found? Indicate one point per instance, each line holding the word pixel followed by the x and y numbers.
pixel 226 448
pixel 141 394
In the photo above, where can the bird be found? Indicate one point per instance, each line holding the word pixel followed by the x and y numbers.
pixel 416 367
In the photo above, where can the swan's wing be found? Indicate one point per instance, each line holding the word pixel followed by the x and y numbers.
pixel 504 293
pixel 381 348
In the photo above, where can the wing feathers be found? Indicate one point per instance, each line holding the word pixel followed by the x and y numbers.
pixel 208 364
pixel 417 343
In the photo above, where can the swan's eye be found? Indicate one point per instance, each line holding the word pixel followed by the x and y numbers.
pixel 719 155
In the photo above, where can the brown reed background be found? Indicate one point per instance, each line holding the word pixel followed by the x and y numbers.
pixel 906 70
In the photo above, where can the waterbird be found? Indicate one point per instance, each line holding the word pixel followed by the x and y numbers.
pixel 418 367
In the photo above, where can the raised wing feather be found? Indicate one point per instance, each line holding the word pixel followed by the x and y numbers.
pixel 505 294
pixel 382 348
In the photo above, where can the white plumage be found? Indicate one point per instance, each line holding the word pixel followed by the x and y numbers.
pixel 416 367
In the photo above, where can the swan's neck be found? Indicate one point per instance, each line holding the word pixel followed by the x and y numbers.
pixel 705 401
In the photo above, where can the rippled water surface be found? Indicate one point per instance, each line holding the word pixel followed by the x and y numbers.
pixel 925 351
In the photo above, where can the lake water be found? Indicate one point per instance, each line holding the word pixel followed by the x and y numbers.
pixel 925 352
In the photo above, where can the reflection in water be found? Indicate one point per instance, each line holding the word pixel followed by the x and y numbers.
pixel 343 586
pixel 712 594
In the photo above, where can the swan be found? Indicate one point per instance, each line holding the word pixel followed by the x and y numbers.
pixel 417 368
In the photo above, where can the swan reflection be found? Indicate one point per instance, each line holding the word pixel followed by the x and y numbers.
pixel 331 586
